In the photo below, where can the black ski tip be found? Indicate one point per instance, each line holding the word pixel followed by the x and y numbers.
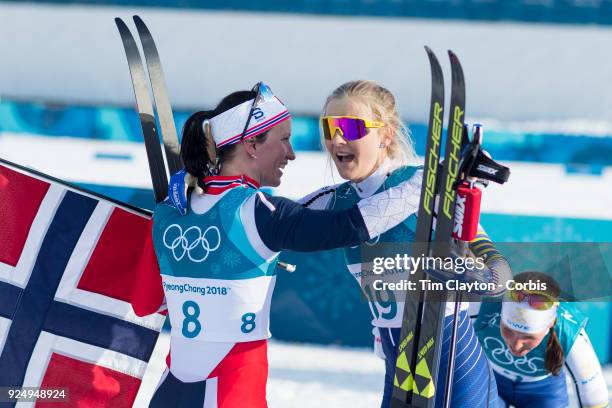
pixel 119 22
pixel 432 56
pixel 436 69
pixel 140 24
pixel 456 68
pixel 122 27
pixel 454 59
pixel 142 28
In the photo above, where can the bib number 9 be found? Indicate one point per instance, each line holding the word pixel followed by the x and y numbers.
pixel 387 307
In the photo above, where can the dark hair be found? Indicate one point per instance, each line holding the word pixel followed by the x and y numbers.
pixel 198 150
pixel 554 352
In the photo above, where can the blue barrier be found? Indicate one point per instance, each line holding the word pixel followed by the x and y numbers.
pixel 553 11
pixel 109 123
pixel 580 153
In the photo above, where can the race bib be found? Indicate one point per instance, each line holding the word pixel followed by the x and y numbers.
pixel 386 310
pixel 219 309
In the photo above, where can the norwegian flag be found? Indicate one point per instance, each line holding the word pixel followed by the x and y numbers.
pixel 69 268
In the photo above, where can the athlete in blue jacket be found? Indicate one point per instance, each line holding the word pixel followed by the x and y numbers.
pixel 365 138
pixel 531 340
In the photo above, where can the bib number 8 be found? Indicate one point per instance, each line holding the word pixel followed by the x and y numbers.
pixel 248 323
pixel 192 326
pixel 191 318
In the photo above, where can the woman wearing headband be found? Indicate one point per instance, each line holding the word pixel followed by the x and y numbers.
pixel 371 149
pixel 531 340
pixel 218 261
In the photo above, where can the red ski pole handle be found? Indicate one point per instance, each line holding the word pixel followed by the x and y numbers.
pixel 467 212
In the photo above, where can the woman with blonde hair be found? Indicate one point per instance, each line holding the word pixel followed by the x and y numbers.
pixel 531 340
pixel 371 149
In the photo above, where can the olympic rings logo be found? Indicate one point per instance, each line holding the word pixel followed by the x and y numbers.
pixel 192 242
pixel 502 355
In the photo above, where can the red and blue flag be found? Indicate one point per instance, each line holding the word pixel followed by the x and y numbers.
pixel 69 268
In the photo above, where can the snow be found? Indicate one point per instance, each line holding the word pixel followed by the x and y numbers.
pixel 302 375
pixel 311 376
pixel 530 185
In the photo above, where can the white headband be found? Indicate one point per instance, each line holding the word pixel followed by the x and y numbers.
pixel 521 317
pixel 227 127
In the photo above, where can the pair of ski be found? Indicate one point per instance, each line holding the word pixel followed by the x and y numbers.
pixel 158 166
pixel 417 366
